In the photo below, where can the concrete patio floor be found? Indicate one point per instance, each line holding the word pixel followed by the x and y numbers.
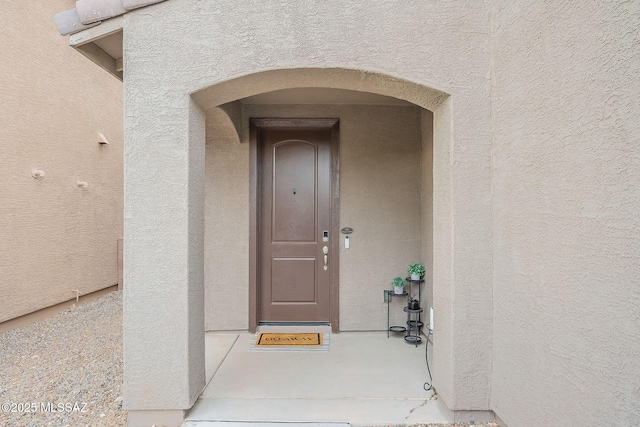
pixel 364 379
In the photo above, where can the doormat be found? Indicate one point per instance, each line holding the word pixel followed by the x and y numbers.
pixel 290 341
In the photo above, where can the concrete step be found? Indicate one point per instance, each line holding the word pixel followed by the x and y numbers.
pixel 258 424
pixel 315 412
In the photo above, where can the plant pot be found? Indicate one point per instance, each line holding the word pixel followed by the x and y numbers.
pixel 415 277
pixel 398 290
pixel 414 304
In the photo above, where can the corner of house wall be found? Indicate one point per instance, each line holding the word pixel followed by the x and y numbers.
pixel 472 417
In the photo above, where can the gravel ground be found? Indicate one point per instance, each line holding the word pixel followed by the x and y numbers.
pixel 73 359
pixel 72 363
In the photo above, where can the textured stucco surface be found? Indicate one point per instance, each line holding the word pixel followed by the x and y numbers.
pixel 566 104
pixel 419 47
pixel 380 199
pixel 164 253
pixel 426 206
pixel 226 244
pixel 55 236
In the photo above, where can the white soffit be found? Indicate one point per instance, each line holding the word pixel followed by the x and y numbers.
pixel 111 44
pixel 102 44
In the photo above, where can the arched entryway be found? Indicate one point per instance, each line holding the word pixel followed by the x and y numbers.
pixel 222 106
pixel 385 187
pixel 385 182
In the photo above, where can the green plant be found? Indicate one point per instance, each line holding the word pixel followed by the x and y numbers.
pixel 398 282
pixel 416 268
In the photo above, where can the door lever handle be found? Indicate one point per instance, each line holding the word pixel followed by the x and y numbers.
pixel 325 251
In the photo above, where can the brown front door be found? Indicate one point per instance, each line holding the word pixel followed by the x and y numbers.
pixel 295 224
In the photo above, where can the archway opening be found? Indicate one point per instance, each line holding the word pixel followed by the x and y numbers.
pixel 386 157
pixel 386 189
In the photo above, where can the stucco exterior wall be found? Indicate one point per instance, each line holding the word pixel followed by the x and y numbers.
pixel 380 193
pixel 55 236
pixel 399 49
pixel 566 98
pixel 226 240
pixel 426 206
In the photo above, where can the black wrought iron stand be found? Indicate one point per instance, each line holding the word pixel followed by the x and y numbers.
pixel 414 314
pixel 413 310
pixel 388 297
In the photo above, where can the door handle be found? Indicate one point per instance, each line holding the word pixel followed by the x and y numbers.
pixel 325 251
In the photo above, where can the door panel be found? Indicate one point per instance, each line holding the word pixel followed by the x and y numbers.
pixel 295 280
pixel 294 192
pixel 294 210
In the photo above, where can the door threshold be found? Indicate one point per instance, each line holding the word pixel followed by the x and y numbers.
pixel 294 324
pixel 323 327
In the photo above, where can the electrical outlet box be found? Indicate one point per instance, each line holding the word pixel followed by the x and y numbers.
pixel 431 318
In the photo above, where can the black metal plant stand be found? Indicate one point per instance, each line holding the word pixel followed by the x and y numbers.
pixel 414 313
pixel 388 298
pixel 413 325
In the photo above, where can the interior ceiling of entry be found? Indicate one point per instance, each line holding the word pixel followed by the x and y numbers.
pixel 312 95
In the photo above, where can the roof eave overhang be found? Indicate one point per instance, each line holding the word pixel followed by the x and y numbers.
pixel 85 42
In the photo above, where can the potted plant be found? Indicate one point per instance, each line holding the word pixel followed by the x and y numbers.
pixel 398 283
pixel 416 271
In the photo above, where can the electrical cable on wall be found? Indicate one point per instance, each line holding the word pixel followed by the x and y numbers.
pixel 428 385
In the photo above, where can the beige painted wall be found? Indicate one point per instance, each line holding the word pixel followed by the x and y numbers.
pixel 434 54
pixel 380 198
pixel 226 243
pixel 566 103
pixel 535 195
pixel 426 209
pixel 55 236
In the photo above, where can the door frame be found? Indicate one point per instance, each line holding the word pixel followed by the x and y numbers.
pixel 255 127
